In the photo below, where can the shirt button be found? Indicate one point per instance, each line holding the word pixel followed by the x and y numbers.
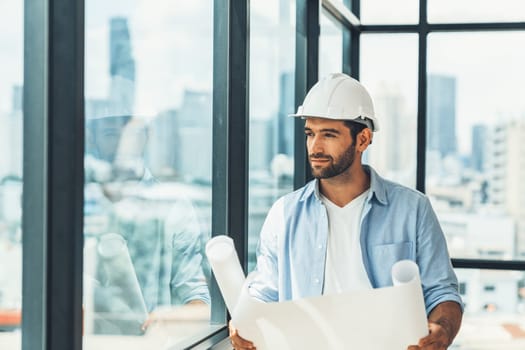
pixel 316 281
pixel 320 246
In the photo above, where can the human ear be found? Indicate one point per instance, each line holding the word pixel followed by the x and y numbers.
pixel 364 138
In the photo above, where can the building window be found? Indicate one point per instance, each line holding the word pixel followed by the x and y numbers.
pixel 489 288
pixel 392 83
pixel 272 88
pixel 462 288
pixel 330 45
pixel 147 213
pixel 474 114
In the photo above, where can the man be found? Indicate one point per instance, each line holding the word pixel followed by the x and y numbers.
pixel 161 229
pixel 345 229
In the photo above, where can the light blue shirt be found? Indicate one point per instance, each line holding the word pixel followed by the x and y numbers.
pixel 397 223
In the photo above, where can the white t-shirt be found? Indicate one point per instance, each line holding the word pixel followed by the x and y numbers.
pixel 344 269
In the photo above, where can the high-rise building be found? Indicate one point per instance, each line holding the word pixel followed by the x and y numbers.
pixel 12 136
pixel 285 124
pixel 120 55
pixel 121 67
pixel 196 109
pixel 396 163
pixel 164 144
pixel 441 114
pixel 507 171
pixel 17 98
pixel 261 137
pixel 479 147
pixel 195 131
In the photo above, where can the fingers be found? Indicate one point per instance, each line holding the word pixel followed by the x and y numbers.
pixel 437 339
pixel 237 341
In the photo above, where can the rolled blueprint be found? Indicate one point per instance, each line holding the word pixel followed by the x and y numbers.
pixel 226 267
pixel 405 271
pixel 376 319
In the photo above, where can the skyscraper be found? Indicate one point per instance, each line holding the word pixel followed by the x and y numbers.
pixel 479 147
pixel 507 169
pixel 392 154
pixel 14 134
pixel 121 68
pixel 285 124
pixel 164 145
pixel 441 113
pixel 121 59
pixel 195 132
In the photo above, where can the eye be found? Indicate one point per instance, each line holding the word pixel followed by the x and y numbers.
pixel 309 133
pixel 329 135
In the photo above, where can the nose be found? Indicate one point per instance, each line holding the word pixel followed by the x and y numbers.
pixel 315 145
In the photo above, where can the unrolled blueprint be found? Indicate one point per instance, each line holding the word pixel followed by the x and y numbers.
pixel 384 318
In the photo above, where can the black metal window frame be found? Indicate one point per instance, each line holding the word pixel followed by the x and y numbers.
pixel 422 29
pixel 54 146
pixel 52 217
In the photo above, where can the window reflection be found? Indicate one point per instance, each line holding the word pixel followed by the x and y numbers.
pixel 149 252
pixel 147 181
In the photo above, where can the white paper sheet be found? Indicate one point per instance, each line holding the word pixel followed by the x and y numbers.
pixel 388 318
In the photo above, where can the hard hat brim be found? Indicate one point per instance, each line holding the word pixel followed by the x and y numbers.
pixel 371 125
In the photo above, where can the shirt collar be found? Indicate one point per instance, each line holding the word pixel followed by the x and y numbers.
pixel 377 187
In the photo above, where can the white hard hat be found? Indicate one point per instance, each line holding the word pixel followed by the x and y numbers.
pixel 338 96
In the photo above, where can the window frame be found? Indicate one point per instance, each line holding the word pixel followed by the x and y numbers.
pixel 52 215
pixel 422 29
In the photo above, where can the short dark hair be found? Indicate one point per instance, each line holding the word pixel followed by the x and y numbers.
pixel 355 128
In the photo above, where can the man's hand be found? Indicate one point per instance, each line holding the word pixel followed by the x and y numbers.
pixel 239 343
pixel 437 339
pixel 443 325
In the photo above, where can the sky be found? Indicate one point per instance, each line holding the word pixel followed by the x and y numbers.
pixel 407 11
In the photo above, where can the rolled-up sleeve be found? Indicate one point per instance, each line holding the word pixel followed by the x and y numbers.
pixel 187 280
pixel 438 279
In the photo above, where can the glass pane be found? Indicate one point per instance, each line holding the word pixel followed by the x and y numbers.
pixel 393 85
pixel 330 45
pixel 389 12
pixel 148 183
pixel 11 71
pixel 494 306
pixel 475 149
pixel 450 11
pixel 272 87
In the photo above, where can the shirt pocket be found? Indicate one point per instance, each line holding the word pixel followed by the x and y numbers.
pixel 384 256
pixel 387 255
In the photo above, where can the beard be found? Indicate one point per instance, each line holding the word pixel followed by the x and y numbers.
pixel 335 166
